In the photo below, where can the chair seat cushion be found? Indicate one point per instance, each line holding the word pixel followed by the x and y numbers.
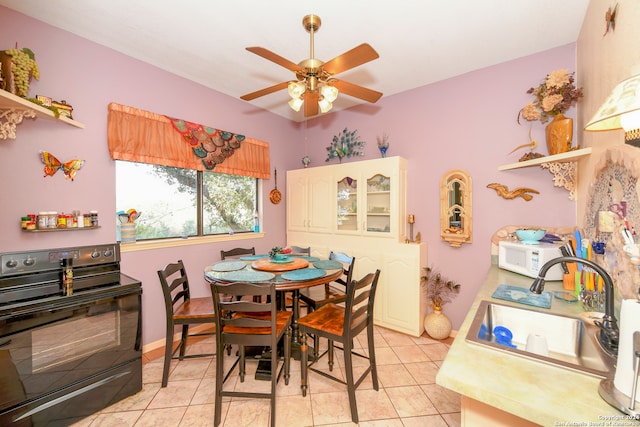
pixel 283 319
pixel 201 307
pixel 328 318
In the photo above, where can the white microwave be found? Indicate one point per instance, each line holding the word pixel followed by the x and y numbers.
pixel 528 259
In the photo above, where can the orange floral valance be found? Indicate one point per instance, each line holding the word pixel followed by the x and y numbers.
pixel 142 136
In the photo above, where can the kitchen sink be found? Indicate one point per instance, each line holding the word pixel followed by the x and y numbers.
pixel 570 342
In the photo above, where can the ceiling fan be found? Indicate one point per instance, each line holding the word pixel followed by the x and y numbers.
pixel 315 86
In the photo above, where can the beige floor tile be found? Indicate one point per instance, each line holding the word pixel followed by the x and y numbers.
pixel 252 412
pixel 445 400
pixel 161 417
pixel 118 419
pixel 423 372
pixel 206 392
pixel 436 351
pixel 374 405
pixel 394 422
pixel 410 401
pixel 395 376
pixel 190 369
pixel 330 408
pixel 410 354
pixel 198 416
pixel 386 356
pixel 176 393
pixel 452 419
pixel 407 397
pixel 425 421
pixel 294 411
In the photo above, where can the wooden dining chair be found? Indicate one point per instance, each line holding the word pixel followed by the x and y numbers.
pixel 335 292
pixel 237 252
pixel 341 325
pixel 182 310
pixel 298 250
pixel 249 323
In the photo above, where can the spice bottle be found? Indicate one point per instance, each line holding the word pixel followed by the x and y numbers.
pixel 67 276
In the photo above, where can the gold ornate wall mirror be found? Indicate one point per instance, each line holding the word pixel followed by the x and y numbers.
pixel 455 207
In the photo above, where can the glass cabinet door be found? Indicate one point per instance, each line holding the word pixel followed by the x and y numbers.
pixel 379 204
pixel 347 211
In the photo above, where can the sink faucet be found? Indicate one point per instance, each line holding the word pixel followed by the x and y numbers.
pixel 609 332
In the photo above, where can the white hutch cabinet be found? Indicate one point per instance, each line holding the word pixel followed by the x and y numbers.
pixel 360 208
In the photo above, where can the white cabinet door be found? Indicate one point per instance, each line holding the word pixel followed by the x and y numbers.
pixel 400 304
pixel 297 193
pixel 309 200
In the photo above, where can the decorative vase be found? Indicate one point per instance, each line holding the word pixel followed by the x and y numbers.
pixel 383 149
pixel 437 324
pixel 559 134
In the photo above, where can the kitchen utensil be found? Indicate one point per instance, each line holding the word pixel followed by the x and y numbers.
pixel 275 196
pixel 123 217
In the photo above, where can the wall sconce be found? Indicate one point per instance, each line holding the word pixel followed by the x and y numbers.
pixel 621 110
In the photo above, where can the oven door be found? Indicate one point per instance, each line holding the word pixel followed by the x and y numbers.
pixel 64 359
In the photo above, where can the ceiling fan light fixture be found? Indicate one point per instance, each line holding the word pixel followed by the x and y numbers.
pixel 330 93
pixel 325 105
pixel 295 104
pixel 296 89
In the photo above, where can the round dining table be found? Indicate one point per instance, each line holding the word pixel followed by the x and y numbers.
pixel 289 275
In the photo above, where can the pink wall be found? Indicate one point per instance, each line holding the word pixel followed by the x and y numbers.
pixel 466 122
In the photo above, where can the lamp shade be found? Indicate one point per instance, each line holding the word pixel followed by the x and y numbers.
pixel 296 89
pixel 295 104
pixel 624 99
pixel 329 93
pixel 324 105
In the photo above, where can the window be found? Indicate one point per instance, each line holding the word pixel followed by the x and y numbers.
pixel 167 198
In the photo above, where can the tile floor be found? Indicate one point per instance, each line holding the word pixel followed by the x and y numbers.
pixel 408 395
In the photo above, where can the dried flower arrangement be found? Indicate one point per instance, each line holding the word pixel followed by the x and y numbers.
pixel 439 290
pixel 552 97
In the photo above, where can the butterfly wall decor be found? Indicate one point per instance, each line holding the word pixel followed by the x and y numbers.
pixel 610 20
pixel 52 164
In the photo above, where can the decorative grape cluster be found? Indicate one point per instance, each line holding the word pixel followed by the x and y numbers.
pixel 24 67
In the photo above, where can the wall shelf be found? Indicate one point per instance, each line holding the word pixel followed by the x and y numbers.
pixel 13 109
pixel 48 230
pixel 562 166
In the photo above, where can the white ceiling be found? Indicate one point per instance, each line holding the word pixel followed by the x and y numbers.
pixel 419 41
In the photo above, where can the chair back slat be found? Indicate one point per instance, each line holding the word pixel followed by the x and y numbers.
pixel 175 285
pixel 348 262
pixel 245 313
pixel 237 252
pixel 358 313
pixel 298 250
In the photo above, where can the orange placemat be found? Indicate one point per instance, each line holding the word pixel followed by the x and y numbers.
pixel 265 264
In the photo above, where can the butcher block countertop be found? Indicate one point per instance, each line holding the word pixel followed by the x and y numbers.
pixel 541 393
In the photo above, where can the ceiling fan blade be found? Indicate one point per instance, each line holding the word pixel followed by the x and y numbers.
pixel 351 59
pixel 355 90
pixel 265 91
pixel 274 57
pixel 310 104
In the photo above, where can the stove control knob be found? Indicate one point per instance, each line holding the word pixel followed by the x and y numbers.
pixel 12 263
pixel 108 253
pixel 95 254
pixel 29 262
